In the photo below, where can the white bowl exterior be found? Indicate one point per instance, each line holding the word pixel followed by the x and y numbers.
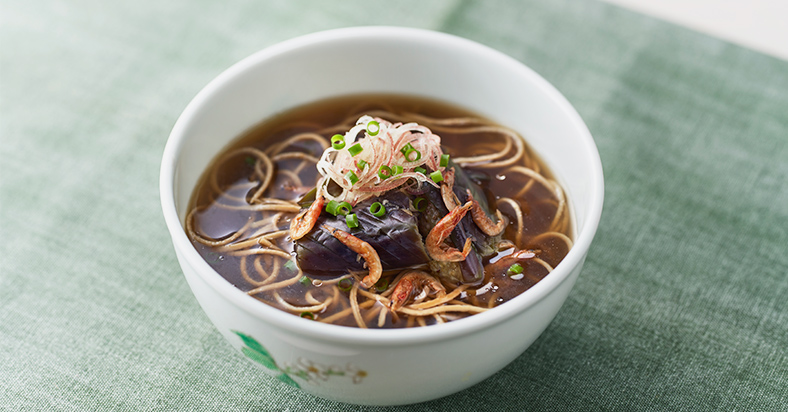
pixel 410 365
pixel 395 373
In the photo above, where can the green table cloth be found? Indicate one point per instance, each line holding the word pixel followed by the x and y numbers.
pixel 682 305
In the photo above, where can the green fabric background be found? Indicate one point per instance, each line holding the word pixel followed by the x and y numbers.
pixel 683 303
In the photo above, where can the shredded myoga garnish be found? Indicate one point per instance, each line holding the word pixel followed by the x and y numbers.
pixel 384 218
pixel 385 158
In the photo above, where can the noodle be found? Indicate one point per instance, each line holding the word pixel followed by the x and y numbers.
pixel 313 308
pixel 354 306
pixel 518 212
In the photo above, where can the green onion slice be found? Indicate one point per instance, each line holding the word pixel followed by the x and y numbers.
pixel 420 204
pixel 382 284
pixel 345 284
pixel 355 149
pixel 308 315
pixel 338 141
pixel 444 160
pixel 377 209
pixel 331 207
pixel 373 128
pixel 290 265
pixel 344 208
pixel 420 170
pixel 351 177
pixel 351 220
pixel 361 165
pixel 305 280
pixel 396 170
pixel 436 176
pixel 408 150
pixel 384 172
pixel 515 269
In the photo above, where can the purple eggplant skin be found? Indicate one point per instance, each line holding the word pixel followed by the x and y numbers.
pixel 395 236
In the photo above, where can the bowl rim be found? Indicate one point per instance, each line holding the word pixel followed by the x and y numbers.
pixel 379 337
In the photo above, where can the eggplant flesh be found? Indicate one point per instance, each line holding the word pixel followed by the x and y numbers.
pixel 394 236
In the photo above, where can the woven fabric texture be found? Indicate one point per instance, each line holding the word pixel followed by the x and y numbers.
pixel 682 305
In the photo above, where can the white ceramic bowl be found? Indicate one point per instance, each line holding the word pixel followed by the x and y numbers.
pixel 382 367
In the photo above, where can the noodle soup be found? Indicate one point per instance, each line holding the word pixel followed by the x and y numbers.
pixel 451 216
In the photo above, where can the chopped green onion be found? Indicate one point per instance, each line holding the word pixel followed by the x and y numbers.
pixel 384 172
pixel 444 160
pixel 250 160
pixel 436 176
pixel 420 170
pixel 407 150
pixel 396 170
pixel 344 208
pixel 355 149
pixel 515 269
pixel 351 220
pixel 305 280
pixel 290 265
pixel 308 315
pixel 361 164
pixel 420 204
pixel 331 207
pixel 338 141
pixel 345 284
pixel 351 177
pixel 373 128
pixel 382 284
pixel 377 209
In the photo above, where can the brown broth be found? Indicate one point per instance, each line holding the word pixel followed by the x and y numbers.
pixel 235 177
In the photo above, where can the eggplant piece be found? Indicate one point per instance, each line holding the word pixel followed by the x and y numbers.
pixel 449 271
pixel 395 236
pixel 463 182
pixel 471 270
